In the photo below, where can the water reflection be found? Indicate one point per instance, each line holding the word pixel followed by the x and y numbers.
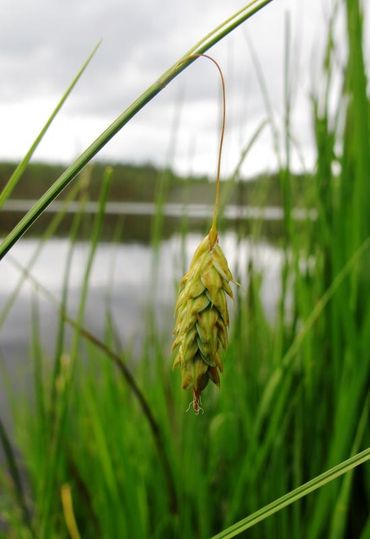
pixel 124 276
pixel 170 209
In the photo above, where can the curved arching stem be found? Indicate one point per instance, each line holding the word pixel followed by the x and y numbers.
pixel 213 230
pixel 216 35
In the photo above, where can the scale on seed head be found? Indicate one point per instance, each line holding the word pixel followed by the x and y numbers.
pixel 202 318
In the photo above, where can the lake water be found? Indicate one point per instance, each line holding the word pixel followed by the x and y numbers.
pixel 170 209
pixel 122 272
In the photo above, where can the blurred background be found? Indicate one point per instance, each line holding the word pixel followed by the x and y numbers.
pixel 43 45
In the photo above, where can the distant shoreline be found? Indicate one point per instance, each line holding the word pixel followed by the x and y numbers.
pixel 146 183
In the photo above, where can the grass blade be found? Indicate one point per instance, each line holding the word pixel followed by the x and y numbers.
pixel 306 328
pixel 127 376
pixel 70 173
pixel 295 495
pixel 16 476
pixel 69 516
pixel 18 172
pixel 49 232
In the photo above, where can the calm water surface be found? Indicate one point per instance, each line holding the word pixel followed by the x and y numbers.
pixel 124 277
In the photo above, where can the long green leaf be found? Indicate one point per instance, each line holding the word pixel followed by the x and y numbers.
pixel 70 173
pixel 294 495
pixel 21 167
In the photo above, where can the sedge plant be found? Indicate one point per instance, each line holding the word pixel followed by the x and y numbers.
pixel 202 317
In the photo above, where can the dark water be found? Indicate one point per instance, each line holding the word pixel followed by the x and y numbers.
pixel 124 276
pixel 171 209
pixel 124 272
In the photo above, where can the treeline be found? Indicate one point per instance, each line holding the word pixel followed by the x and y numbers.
pixel 146 183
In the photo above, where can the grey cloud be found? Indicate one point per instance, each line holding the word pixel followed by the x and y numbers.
pixel 44 42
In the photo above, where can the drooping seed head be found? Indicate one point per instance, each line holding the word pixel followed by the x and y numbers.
pixel 202 318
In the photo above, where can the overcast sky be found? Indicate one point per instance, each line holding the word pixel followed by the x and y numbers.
pixel 44 42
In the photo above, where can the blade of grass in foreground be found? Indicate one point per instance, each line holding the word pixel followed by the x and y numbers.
pixel 342 506
pixel 295 495
pixel 70 173
pixel 16 476
pixel 49 231
pixel 21 167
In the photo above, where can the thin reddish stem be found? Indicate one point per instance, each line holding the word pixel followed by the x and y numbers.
pixel 222 135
